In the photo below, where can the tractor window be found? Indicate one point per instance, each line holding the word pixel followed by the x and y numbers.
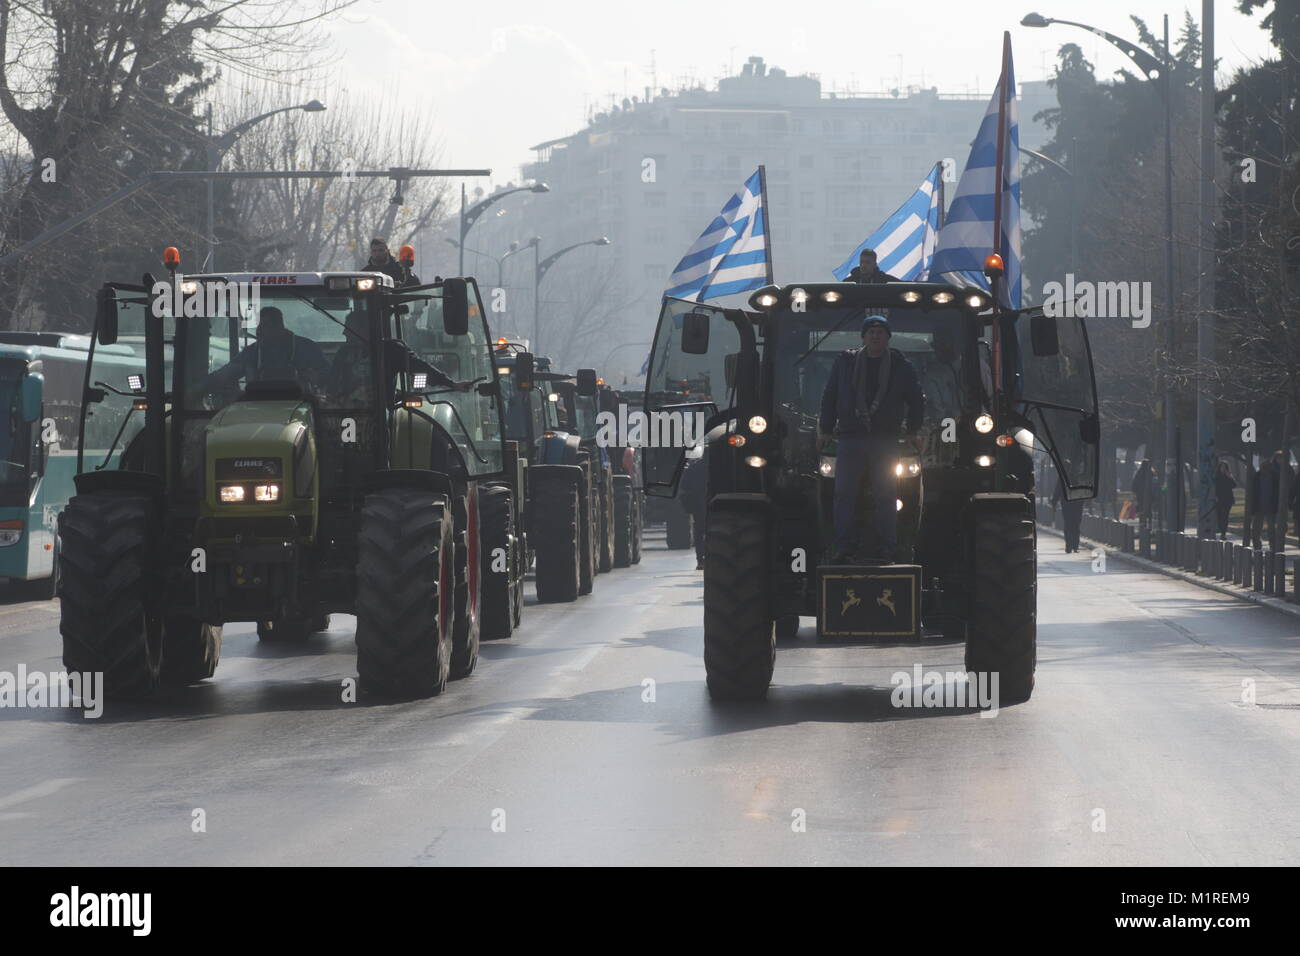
pixel 472 421
pixel 678 377
pixel 1066 421
pixel 300 335
pixel 112 364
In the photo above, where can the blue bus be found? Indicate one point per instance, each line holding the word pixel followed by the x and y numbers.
pixel 42 375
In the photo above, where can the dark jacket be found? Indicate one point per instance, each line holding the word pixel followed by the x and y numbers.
pixel 903 398
pixel 1264 488
pixel 874 278
pixel 1223 488
pixel 393 269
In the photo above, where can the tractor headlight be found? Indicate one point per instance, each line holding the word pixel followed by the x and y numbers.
pixel 984 424
pixel 758 424
pixel 365 285
pixel 984 461
pixel 232 494
pixel 756 461
pixel 827 466
pixel 269 492
pixel 907 468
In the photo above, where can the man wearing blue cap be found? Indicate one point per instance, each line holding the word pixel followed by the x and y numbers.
pixel 872 398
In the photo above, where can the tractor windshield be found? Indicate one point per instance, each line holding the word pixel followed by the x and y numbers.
pixel 940 344
pixel 304 335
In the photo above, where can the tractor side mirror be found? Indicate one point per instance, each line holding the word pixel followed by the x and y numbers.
pixel 106 316
pixel 587 381
pixel 695 333
pixel 455 306
pixel 524 371
pixel 33 389
pixel 1043 336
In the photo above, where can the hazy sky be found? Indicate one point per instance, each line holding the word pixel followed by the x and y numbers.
pixel 501 75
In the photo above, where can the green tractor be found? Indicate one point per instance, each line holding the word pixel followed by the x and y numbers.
pixel 331 448
pixel 562 475
pixel 965 564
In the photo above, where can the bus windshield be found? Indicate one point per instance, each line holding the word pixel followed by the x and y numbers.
pixel 15 434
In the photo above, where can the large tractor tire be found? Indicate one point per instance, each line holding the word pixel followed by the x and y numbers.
pixel 556 536
pixel 638 529
pixel 605 521
pixel 191 650
pixel 739 636
pixel 681 528
pixel 624 530
pixel 405 580
pixel 467 604
pixel 1002 633
pixel 109 541
pixel 586 531
pixel 497 546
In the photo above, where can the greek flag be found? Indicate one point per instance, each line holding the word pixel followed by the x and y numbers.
pixel 732 255
pixel 967 234
pixel 905 243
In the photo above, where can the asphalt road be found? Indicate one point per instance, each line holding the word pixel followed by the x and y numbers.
pixel 1137 747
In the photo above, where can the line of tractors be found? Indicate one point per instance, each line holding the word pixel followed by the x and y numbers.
pixel 337 443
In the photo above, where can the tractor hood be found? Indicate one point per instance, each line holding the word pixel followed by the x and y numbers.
pixel 254 443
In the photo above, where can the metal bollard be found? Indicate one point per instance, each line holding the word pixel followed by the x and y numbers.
pixel 1257 582
pixel 1279 574
pixel 1238 562
pixel 1144 541
pixel 1267 569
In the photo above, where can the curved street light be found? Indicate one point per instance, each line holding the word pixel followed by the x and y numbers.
pixel 471 215
pixel 541 267
pixel 1153 66
pixel 217 147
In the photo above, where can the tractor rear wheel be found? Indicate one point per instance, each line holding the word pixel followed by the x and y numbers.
pixel 191 650
pixel 681 528
pixel 587 566
pixel 556 506
pixel 1002 633
pixel 467 596
pixel 109 540
pixel 739 637
pixel 623 517
pixel 404 593
pixel 497 546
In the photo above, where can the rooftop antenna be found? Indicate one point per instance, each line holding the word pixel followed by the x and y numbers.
pixel 654 72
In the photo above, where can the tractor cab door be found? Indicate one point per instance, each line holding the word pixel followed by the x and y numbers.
pixel 112 420
pixel 1059 397
pixel 690 379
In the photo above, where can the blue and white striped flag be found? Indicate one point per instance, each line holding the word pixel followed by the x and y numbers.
pixel 966 238
pixel 732 255
pixel 905 243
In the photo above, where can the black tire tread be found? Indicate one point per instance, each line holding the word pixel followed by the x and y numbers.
pixel 557 542
pixel 739 636
pixel 1002 632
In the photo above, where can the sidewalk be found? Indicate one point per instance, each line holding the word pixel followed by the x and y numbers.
pixel 1232 590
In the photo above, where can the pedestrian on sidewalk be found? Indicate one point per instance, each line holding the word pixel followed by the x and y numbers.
pixel 1141 487
pixel 1264 483
pixel 1224 496
pixel 1285 482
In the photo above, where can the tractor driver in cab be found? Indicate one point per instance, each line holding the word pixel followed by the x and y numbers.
pixel 277 355
pixel 349 376
pixel 871 399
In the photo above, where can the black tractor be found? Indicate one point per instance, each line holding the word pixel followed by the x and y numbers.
pixel 965 564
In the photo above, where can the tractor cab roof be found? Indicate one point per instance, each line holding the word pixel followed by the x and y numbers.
pixel 810 296
pixel 291 278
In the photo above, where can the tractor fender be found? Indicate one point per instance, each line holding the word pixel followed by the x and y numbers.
pixel 408 478
pixel 740 501
pixel 559 449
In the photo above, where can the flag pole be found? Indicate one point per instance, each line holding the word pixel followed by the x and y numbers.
pixel 767 221
pixel 941 195
pixel 995 282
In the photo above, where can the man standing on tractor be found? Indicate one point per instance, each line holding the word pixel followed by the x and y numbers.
pixel 382 261
pixel 871 392
pixel 868 271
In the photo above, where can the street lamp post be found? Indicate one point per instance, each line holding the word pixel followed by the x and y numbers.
pixel 540 268
pixel 216 149
pixel 470 216
pixel 1153 67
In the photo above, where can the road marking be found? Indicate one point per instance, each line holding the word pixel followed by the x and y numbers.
pixel 39 790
